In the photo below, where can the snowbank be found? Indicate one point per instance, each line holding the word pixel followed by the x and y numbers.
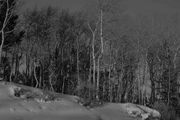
pixel 18 102
pixel 141 111
pixel 127 111
pixel 112 111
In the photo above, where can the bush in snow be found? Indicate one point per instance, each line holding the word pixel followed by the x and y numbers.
pixel 167 112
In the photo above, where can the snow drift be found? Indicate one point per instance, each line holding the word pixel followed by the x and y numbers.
pixel 126 111
pixel 141 111
pixel 18 102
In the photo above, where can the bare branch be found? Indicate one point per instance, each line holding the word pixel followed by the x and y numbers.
pixel 6 17
pixel 175 56
pixel 10 31
pixel 9 16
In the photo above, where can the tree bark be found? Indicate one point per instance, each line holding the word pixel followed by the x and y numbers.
pixel 62 59
pixel 169 85
pixel 35 76
pixel 93 32
pixel 94 60
pixel 110 87
pixel 90 75
pixel 98 77
pixel 40 76
pixel 2 30
pixel 101 54
pixel 77 63
pixel 2 43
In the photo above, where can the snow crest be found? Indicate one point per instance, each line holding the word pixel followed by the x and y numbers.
pixel 141 111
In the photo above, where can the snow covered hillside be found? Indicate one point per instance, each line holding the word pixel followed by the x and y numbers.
pixel 19 102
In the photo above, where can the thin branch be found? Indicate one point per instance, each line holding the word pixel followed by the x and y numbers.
pixel 90 28
pixel 9 13
pixel 10 31
pixel 6 17
pixel 175 56
pixel 93 31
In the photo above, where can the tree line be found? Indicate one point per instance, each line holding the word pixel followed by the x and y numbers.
pixel 99 54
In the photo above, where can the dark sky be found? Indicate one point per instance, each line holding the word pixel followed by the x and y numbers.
pixel 70 4
pixel 132 6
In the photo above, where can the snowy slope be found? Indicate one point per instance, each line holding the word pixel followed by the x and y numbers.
pixel 14 108
pixel 113 111
pixel 125 111
pixel 19 102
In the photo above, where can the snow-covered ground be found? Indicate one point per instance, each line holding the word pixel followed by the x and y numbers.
pixel 112 111
pixel 34 104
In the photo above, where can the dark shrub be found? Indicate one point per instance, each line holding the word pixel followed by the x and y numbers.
pixel 167 112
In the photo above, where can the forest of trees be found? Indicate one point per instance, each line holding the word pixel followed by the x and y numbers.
pixel 100 54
